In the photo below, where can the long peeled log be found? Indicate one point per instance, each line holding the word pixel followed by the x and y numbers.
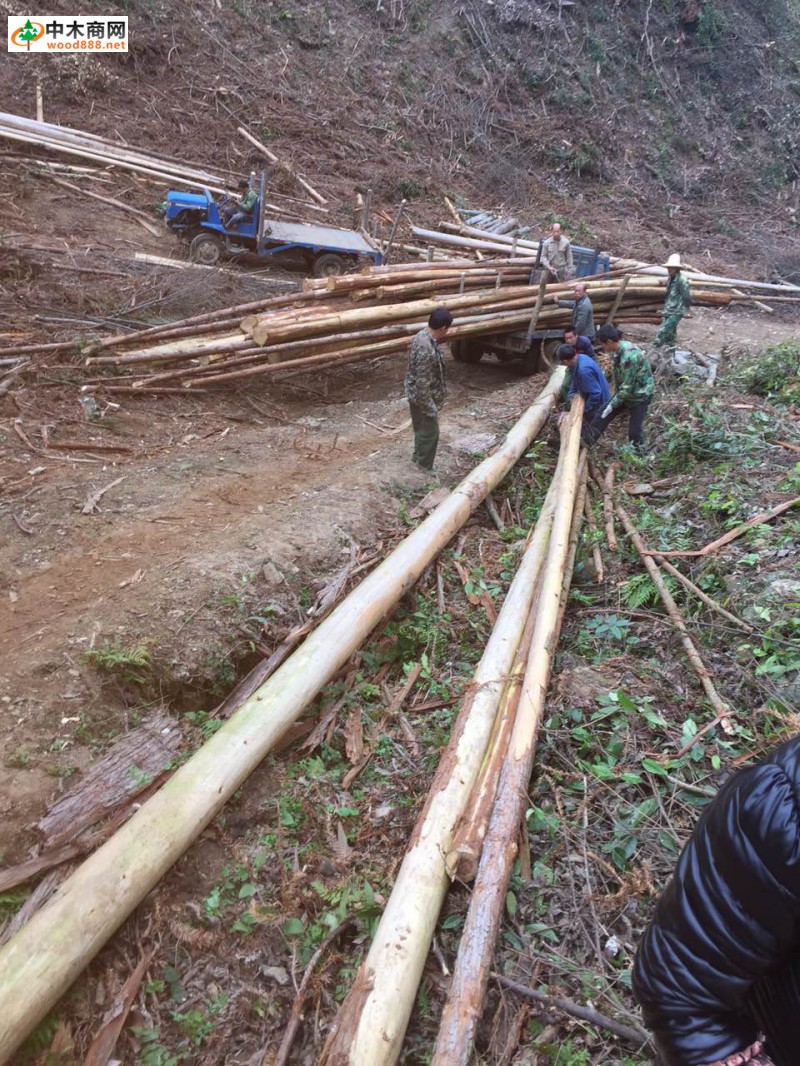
pixel 38 964
pixel 465 1001
pixel 372 1020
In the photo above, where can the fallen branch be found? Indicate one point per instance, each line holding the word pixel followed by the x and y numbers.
pixel 312 192
pixel 597 558
pixel 494 514
pixel 140 216
pixel 636 1038
pixel 703 596
pixel 296 1017
pixel 714 698
pixel 714 546
pixel 94 498
pixel 80 446
pixel 608 506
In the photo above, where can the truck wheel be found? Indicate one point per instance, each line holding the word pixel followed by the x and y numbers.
pixel 329 265
pixel 206 248
pixel 530 362
pixel 466 350
pixel 549 348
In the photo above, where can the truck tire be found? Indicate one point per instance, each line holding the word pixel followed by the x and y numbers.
pixel 531 361
pixel 329 265
pixel 206 248
pixel 549 348
pixel 466 350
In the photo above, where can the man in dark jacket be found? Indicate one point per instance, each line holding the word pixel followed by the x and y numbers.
pixel 426 385
pixel 582 311
pixel 582 345
pixel 719 967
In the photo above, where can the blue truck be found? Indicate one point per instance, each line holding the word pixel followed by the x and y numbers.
pixel 325 251
pixel 516 346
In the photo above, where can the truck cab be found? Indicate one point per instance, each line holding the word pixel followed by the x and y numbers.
pixel 325 251
pixel 513 346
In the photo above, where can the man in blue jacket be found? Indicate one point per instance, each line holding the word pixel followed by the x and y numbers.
pixel 586 379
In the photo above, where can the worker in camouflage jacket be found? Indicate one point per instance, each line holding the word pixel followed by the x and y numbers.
pixel 426 385
pixel 633 385
pixel 676 303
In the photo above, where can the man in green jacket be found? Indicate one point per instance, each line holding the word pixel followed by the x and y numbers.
pixel 676 303
pixel 242 210
pixel 633 387
pixel 426 385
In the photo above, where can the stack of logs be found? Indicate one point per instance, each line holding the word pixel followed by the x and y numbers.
pixel 340 321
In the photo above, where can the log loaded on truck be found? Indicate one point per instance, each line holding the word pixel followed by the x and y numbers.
pixel 323 250
pixel 534 356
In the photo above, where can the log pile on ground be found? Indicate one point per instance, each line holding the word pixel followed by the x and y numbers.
pixel 340 321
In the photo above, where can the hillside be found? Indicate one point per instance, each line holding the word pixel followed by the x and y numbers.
pixel 646 125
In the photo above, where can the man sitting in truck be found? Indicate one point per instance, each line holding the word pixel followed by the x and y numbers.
pixel 582 311
pixel 241 211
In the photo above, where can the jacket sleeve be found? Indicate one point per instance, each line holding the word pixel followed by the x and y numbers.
pixel 581 323
pixel 728 916
pixel 626 382
pixel 420 367
pixel 569 257
pixel 595 399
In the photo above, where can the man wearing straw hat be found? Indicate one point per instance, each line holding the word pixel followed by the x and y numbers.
pixel 676 303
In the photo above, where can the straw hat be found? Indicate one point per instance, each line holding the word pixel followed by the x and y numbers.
pixel 674 261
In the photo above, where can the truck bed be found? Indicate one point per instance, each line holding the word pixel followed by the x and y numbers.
pixel 311 236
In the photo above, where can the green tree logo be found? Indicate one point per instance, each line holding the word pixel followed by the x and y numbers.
pixel 28 33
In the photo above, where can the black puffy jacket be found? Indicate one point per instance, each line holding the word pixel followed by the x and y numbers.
pixel 721 960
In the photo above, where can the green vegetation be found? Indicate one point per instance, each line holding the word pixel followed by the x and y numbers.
pixel 774 373
pixel 128 663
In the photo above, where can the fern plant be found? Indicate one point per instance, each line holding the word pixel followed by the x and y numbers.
pixel 639 591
